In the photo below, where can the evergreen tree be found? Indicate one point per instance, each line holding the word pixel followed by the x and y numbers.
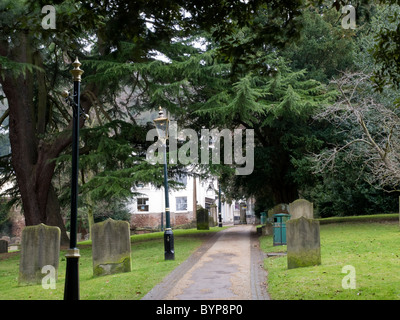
pixel 277 103
pixel 324 49
pixel 35 67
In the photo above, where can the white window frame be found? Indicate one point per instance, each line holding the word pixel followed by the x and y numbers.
pixel 180 203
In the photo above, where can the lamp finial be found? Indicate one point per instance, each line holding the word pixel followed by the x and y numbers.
pixel 76 72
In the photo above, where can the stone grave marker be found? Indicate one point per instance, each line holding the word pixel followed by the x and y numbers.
pixel 3 246
pixel 303 242
pixel 279 208
pixel 202 219
pixel 40 247
pixel 111 247
pixel 267 230
pixel 301 208
pixel 8 239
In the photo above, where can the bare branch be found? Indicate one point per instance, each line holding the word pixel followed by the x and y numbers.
pixel 373 129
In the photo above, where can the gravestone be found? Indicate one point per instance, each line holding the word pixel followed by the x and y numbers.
pixel 40 247
pixel 111 247
pixel 301 208
pixel 279 208
pixel 267 229
pixel 5 238
pixel 202 219
pixel 303 242
pixel 3 246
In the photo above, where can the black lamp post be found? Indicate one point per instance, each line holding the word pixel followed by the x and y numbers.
pixel 162 129
pixel 219 207
pixel 71 289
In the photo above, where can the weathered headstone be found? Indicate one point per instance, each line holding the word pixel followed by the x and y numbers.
pixel 202 219
pixel 3 246
pixel 279 208
pixel 267 229
pixel 5 238
pixel 111 247
pixel 40 247
pixel 301 208
pixel 303 242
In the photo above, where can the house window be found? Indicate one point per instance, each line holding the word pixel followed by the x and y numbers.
pixel 143 204
pixel 182 179
pixel 181 203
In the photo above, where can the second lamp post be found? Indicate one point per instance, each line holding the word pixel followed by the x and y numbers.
pixel 162 129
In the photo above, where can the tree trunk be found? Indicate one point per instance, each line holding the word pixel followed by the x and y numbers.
pixel 284 193
pixel 32 159
pixel 19 93
pixel 53 215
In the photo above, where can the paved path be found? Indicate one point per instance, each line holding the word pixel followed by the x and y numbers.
pixel 226 267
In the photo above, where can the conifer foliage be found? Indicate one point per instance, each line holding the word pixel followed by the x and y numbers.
pixel 116 41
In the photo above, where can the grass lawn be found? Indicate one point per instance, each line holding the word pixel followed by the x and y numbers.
pixel 372 248
pixel 148 269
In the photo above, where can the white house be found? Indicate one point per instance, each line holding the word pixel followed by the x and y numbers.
pixel 148 209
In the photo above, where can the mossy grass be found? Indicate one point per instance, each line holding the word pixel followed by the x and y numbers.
pixel 372 248
pixel 148 269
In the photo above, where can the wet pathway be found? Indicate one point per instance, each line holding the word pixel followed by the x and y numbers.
pixel 227 267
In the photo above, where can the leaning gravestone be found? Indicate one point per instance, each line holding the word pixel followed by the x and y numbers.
pixel 301 208
pixel 303 242
pixel 111 247
pixel 3 246
pixel 40 247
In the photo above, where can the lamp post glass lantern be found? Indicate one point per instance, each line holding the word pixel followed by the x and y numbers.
pixel 162 127
pixel 161 124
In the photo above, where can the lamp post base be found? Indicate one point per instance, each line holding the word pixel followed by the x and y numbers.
pixel 71 289
pixel 220 220
pixel 169 251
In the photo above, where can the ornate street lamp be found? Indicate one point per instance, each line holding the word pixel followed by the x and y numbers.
pixel 162 129
pixel 71 289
